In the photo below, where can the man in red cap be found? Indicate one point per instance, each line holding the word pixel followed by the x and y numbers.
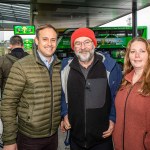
pixel 89 83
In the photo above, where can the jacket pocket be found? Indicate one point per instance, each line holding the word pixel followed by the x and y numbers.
pixel 95 93
pixel 30 113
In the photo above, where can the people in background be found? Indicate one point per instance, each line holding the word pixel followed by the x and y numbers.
pixel 90 81
pixel 6 61
pixel 132 128
pixel 31 98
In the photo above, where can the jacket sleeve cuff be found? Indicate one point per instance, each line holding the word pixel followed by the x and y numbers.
pixel 64 114
pixel 113 119
pixel 9 142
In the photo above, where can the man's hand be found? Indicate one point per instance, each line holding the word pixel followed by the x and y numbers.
pixel 10 147
pixel 65 125
pixel 110 129
pixel 62 128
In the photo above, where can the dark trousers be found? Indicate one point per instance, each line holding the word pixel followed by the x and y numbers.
pixel 26 143
pixel 107 145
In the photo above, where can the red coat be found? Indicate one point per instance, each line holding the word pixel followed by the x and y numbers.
pixel 132 128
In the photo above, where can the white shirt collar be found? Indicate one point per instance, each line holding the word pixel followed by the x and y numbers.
pixel 45 61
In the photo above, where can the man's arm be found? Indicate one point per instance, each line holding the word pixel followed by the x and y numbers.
pixel 114 77
pixel 64 108
pixel 11 97
pixel 64 78
pixel 1 74
pixel 65 125
pixel 114 83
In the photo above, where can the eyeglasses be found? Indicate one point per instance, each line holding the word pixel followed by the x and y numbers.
pixel 86 43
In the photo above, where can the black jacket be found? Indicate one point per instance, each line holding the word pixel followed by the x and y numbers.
pixel 89 102
pixel 6 63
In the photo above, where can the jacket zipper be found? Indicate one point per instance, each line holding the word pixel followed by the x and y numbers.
pixel 51 86
pixel 125 114
pixel 85 145
pixel 51 103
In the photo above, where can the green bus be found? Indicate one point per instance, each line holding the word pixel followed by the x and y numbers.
pixel 110 39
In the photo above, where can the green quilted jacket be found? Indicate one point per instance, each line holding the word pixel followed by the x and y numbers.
pixel 31 100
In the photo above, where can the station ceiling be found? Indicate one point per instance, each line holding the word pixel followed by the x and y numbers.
pixel 65 13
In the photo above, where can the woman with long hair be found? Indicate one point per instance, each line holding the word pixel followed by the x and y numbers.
pixel 132 128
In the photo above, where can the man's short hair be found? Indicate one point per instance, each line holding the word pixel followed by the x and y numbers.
pixel 16 40
pixel 41 27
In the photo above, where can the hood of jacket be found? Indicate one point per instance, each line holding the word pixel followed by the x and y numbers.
pixel 18 53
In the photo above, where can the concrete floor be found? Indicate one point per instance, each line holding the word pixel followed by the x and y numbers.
pixel 61 139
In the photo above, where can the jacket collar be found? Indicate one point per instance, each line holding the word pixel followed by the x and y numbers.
pixel 108 61
pixel 39 61
pixel 18 53
pixel 129 77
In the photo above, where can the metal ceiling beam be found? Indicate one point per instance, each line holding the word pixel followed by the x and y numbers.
pixel 134 19
pixel 47 5
pixel 14 19
pixel 15 2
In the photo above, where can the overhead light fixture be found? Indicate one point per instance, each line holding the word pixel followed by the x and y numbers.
pixel 35 12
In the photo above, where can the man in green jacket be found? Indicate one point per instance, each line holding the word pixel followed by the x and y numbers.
pixel 31 98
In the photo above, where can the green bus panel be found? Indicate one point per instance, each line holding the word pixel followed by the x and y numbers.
pixel 107 37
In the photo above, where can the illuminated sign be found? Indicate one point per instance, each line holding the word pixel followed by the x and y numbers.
pixel 28 47
pixel 28 44
pixel 24 30
pixel 28 41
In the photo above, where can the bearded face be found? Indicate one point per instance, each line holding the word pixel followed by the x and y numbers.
pixel 84 49
pixel 85 55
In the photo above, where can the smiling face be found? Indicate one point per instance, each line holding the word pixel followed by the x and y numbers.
pixel 138 55
pixel 84 49
pixel 46 42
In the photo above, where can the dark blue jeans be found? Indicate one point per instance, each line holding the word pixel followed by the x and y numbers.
pixel 48 143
